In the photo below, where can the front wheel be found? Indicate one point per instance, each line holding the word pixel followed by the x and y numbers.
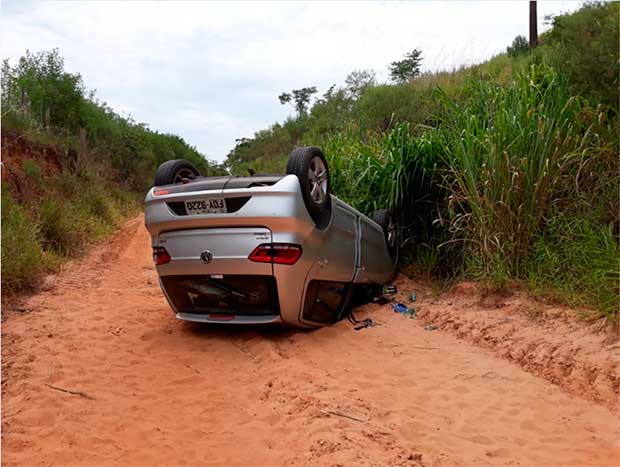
pixel 386 219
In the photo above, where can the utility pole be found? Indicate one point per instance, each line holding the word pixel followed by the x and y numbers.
pixel 533 25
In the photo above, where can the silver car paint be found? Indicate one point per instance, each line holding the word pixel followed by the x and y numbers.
pixel 350 249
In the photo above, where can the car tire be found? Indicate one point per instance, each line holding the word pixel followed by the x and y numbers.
pixel 174 171
pixel 310 167
pixel 386 219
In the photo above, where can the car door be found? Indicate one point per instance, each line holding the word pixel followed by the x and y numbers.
pixel 329 277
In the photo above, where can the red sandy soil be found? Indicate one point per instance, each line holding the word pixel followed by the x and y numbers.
pixel 151 390
pixel 17 150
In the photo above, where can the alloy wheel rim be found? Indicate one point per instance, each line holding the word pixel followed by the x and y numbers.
pixel 317 176
pixel 183 173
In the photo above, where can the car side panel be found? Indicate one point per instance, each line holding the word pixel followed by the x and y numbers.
pixel 375 264
pixel 333 250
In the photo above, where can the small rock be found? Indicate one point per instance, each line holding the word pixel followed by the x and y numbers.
pixel 430 327
pixel 48 284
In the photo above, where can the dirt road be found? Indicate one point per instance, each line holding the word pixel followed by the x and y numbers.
pixel 151 390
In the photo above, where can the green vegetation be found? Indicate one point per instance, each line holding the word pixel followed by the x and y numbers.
pixel 408 68
pixel 519 46
pixel 504 170
pixel 585 47
pixel 75 169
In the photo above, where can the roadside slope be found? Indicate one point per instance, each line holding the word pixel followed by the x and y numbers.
pixel 162 392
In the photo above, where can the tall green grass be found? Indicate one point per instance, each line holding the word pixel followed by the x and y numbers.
pixel 580 260
pixel 485 191
pixel 23 261
pixel 510 152
pixel 378 172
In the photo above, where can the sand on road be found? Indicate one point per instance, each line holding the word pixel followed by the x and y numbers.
pixel 151 390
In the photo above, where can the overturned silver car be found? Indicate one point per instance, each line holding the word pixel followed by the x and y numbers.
pixel 264 249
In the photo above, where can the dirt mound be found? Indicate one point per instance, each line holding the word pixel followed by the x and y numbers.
pixel 18 154
pixel 97 371
pixel 548 340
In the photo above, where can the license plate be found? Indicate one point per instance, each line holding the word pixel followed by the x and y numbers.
pixel 205 206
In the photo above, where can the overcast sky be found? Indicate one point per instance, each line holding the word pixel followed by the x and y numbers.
pixel 211 71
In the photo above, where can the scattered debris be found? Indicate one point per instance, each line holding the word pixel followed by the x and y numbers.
pixel 389 289
pixel 68 391
pixel 340 414
pixel 430 327
pixel 380 300
pixel 192 368
pixel 410 312
pixel 359 324
pixel 363 324
pixel 412 297
pixel 399 308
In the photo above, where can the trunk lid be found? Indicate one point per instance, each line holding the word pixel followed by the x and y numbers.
pixel 214 251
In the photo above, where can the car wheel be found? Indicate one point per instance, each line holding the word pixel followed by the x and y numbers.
pixel 310 167
pixel 175 171
pixel 386 219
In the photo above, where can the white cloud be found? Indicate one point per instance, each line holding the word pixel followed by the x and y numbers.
pixel 211 71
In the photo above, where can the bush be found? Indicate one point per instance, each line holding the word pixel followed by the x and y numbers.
pixel 23 261
pixel 382 107
pixel 584 45
pixel 31 169
pixel 519 46
pixel 57 228
pixel 75 212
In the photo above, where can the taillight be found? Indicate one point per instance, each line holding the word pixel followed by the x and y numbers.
pixel 277 253
pixel 160 255
pixel 161 192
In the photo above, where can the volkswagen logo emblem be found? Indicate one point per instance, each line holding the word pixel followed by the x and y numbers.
pixel 206 256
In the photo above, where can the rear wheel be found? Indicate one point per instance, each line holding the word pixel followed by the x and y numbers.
pixel 386 219
pixel 310 167
pixel 175 171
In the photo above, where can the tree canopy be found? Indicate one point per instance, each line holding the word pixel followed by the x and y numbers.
pixel 408 68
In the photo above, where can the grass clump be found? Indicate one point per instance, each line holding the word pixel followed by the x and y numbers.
pixel 508 151
pixel 580 262
pixel 23 261
pixel 56 228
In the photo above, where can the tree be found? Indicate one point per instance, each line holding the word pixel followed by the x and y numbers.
pixel 407 69
pixel 519 46
pixel 39 82
pixel 300 98
pixel 358 81
pixel 8 87
pixel 329 93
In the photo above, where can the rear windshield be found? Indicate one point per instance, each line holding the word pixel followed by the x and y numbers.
pixel 237 294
